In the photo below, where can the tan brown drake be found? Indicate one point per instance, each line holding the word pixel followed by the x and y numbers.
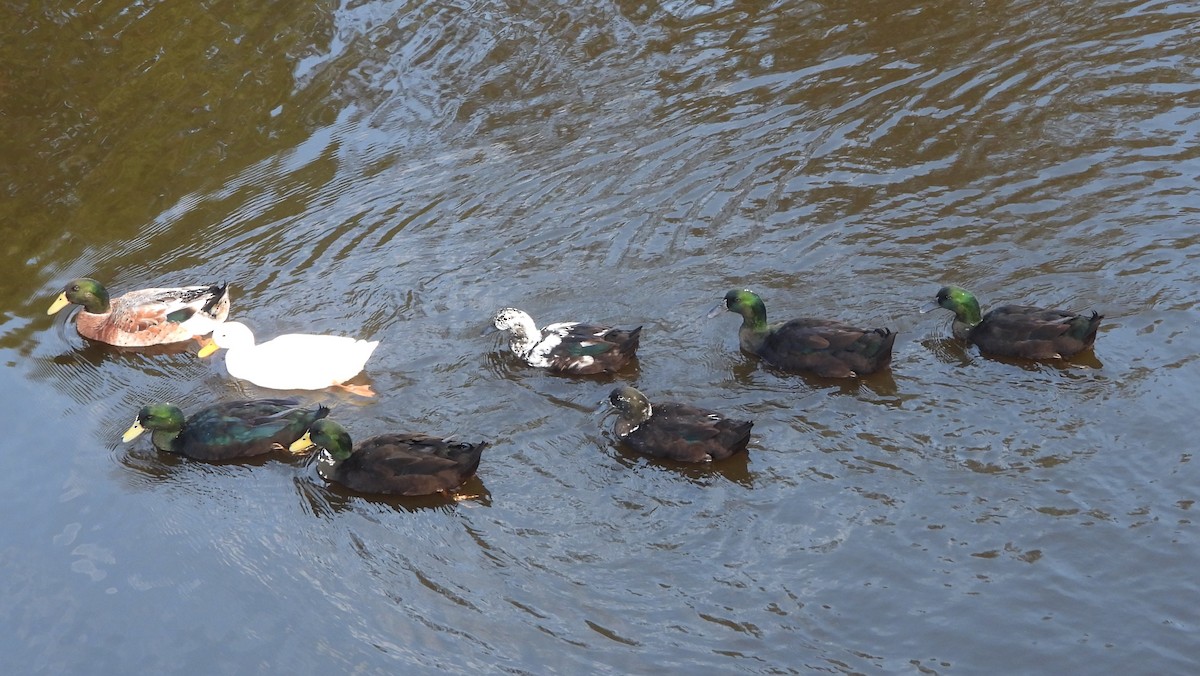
pixel 1017 330
pixel 146 316
pixel 825 347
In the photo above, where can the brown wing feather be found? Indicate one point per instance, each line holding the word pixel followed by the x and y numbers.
pixel 828 348
pixel 1034 333
pixel 408 464
pixel 687 433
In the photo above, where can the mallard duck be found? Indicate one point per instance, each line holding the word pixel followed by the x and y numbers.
pixel 293 361
pixel 822 346
pixel 393 464
pixel 568 347
pixel 146 316
pixel 1018 330
pixel 676 431
pixel 232 429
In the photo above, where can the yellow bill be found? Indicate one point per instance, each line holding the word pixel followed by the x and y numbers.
pixel 301 445
pixel 135 430
pixel 59 303
pixel 208 349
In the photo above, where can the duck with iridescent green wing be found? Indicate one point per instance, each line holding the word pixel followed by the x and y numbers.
pixel 573 348
pixel 226 431
pixel 825 347
pixel 1017 330
pixel 146 316
pixel 390 464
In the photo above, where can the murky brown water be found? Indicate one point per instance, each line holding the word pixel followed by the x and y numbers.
pixel 398 170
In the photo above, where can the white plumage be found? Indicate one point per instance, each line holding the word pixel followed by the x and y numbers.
pixel 293 361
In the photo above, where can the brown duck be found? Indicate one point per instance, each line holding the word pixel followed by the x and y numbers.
pixel 825 347
pixel 391 464
pixel 1018 330
pixel 676 431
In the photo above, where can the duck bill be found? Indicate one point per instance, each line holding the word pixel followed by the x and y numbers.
pixel 717 310
pixel 59 303
pixel 208 349
pixel 301 445
pixel 135 430
pixel 603 408
pixel 488 330
pixel 930 307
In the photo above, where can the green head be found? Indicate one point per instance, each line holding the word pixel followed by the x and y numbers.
pixel 157 418
pixel 330 436
pixel 961 302
pixel 84 291
pixel 745 303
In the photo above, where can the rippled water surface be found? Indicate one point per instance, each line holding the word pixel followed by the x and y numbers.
pixel 398 170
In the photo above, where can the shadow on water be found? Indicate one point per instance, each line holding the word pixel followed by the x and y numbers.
pixel 323 498
pixel 96 354
pixel 955 352
pixel 735 468
pixel 751 370
pixel 507 366
pixel 142 458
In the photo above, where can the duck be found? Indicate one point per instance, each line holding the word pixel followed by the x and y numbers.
pixel 146 316
pixel 1018 330
pixel 825 347
pixel 390 464
pixel 225 431
pixel 292 361
pixel 676 431
pixel 574 348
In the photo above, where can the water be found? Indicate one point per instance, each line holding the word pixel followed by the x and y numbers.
pixel 397 171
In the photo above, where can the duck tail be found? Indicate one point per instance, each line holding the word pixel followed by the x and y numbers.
pixel 476 450
pixel 883 348
pixel 1084 328
pixel 632 342
pixel 216 293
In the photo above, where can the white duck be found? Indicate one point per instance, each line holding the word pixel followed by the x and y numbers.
pixel 293 361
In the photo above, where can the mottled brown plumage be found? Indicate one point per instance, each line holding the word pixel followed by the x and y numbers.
pixel 676 431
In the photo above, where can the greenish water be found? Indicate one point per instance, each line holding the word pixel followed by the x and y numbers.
pixel 397 171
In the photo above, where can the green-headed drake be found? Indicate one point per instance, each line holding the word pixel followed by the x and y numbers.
pixel 1018 330
pixel 390 464
pixel 676 431
pixel 146 316
pixel 825 347
pixel 225 431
